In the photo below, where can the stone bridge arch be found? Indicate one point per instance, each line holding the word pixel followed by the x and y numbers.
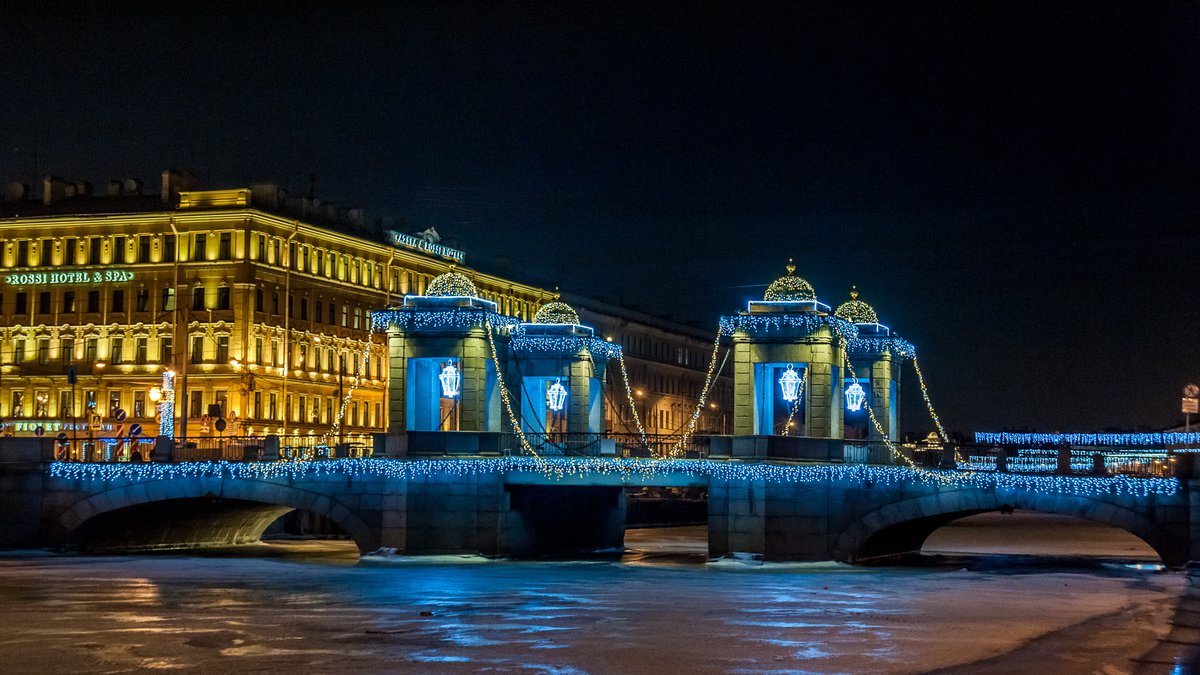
pixel 195 512
pixel 902 526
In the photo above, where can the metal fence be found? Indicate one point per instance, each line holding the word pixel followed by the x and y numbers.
pixel 660 445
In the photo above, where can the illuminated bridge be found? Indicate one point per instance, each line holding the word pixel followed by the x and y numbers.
pixel 525 506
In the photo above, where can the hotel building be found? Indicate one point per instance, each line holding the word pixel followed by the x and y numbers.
pixel 255 304
pixel 257 301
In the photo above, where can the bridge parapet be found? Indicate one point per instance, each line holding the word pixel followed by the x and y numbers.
pixel 498 505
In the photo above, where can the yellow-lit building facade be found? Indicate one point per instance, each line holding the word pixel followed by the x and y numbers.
pixel 254 300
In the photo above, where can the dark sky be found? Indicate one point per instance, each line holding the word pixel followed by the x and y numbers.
pixel 1014 186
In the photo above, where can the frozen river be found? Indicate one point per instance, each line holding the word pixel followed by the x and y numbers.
pixel 314 607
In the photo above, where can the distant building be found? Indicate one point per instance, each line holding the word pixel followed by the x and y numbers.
pixel 667 363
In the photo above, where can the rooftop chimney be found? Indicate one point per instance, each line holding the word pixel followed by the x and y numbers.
pixel 54 190
pixel 174 182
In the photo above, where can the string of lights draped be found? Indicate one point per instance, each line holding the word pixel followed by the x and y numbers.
pixel 929 404
pixel 709 377
pixel 883 434
pixel 335 428
pixel 637 419
pixel 506 399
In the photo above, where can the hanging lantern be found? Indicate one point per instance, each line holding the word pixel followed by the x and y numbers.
pixel 790 383
pixel 450 379
pixel 855 397
pixel 556 395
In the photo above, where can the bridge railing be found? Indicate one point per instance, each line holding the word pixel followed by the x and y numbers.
pixel 867 452
pixel 607 445
pixel 1049 460
pixel 661 445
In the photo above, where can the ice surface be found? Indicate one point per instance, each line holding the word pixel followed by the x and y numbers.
pixel 312 607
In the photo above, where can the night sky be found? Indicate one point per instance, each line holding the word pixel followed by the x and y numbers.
pixel 1014 186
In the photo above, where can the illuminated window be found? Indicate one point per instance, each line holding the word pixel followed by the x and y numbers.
pixel 139 404
pixel 89 401
pixel 66 407
pixel 168 300
pixel 18 404
pixel 41 404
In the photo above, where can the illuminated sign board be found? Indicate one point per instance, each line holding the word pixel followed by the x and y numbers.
pixel 409 241
pixel 61 278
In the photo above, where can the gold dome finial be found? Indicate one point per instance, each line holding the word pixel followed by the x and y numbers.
pixel 854 292
pixel 791 268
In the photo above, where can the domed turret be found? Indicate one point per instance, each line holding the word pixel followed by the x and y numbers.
pixel 451 284
pixel 790 288
pixel 556 312
pixel 855 310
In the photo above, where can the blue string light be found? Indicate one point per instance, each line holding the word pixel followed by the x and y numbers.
pixel 565 345
pixel 427 319
pixel 865 346
pixel 806 323
pixel 1154 439
pixel 1087 486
